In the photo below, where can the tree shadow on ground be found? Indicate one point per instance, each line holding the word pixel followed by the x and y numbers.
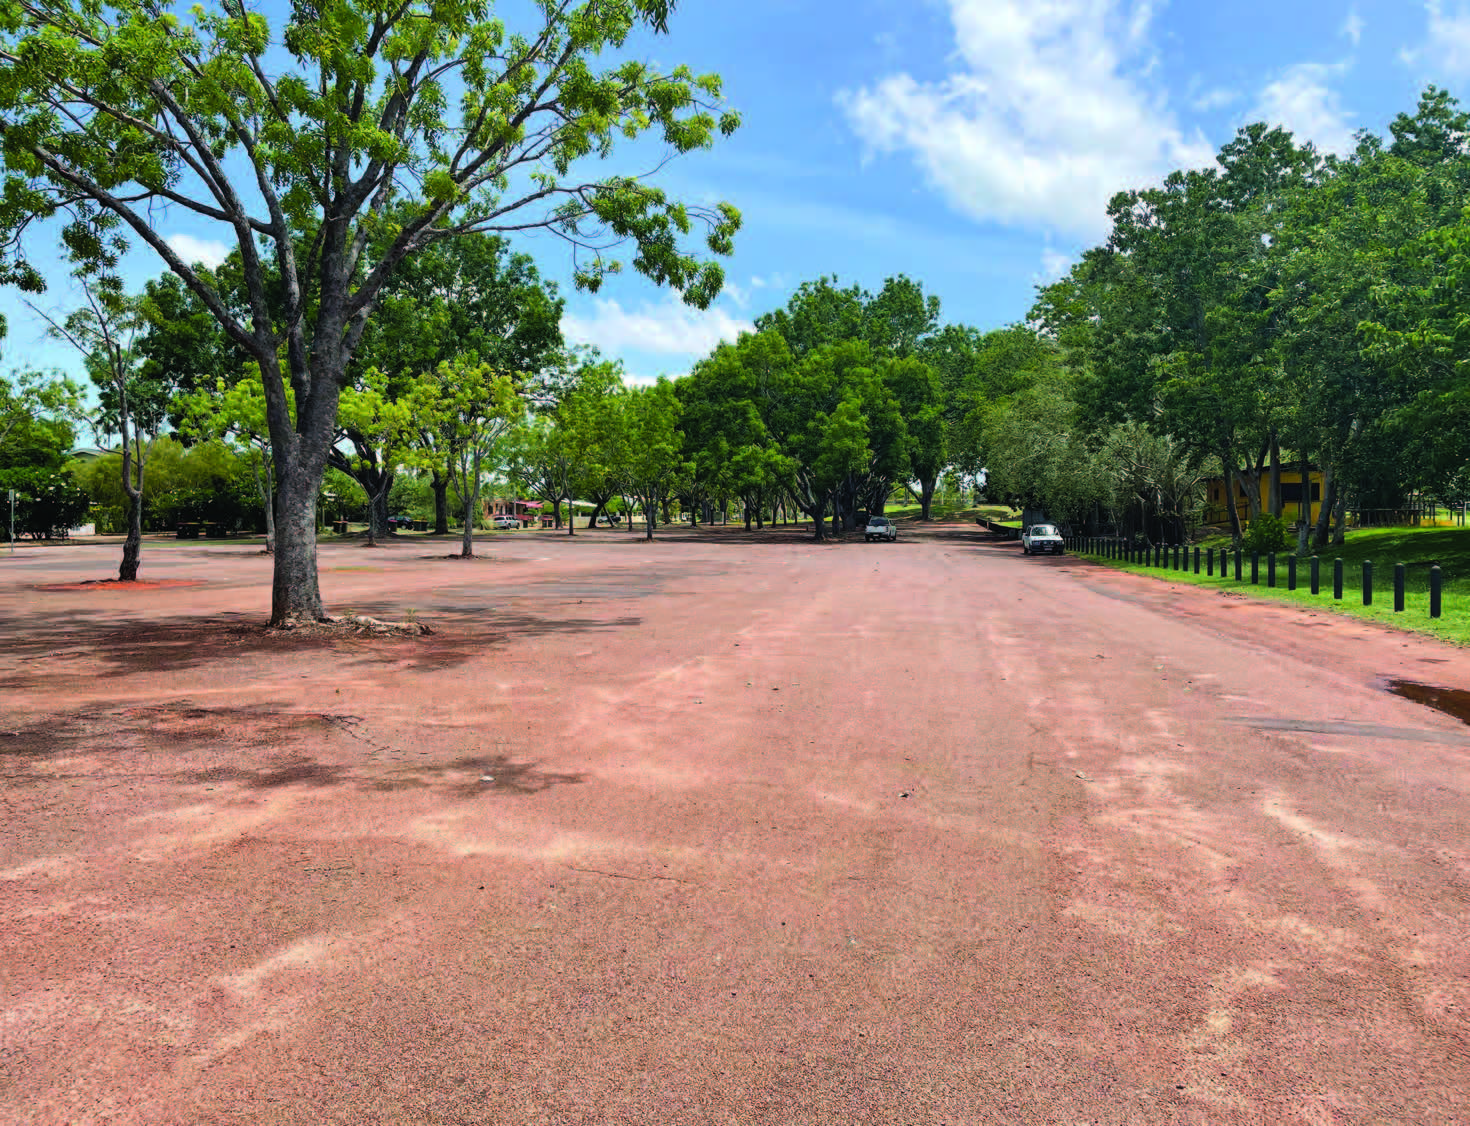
pixel 129 647
pixel 166 735
pixel 494 775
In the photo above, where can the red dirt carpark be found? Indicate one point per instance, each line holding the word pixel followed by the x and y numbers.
pixel 722 829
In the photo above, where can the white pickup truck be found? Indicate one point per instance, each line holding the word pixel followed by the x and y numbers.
pixel 880 528
pixel 1041 539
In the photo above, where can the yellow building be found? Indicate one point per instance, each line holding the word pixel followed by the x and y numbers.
pixel 1217 511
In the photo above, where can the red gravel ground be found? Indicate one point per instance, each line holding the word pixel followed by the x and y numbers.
pixel 722 829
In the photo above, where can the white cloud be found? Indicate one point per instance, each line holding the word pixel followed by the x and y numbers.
pixel 1218 98
pixel 1054 266
pixel 1446 51
pixel 632 379
pixel 1046 117
pixel 669 327
pixel 210 251
pixel 1302 101
pixel 1352 27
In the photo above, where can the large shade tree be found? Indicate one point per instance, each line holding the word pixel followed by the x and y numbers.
pixel 329 149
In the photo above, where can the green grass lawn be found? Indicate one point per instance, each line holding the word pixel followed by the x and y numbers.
pixel 1417 548
pixel 949 513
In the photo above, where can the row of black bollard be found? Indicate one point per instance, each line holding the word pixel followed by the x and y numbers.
pixel 1177 558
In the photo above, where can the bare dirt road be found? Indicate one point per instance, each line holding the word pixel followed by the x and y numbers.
pixel 722 830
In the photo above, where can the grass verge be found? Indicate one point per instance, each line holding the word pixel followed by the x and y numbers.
pixel 1384 547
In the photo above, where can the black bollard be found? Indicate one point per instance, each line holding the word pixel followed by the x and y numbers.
pixel 1316 574
pixel 1271 569
pixel 1367 582
pixel 1398 588
pixel 1291 572
pixel 1435 589
pixel 1210 562
pixel 1337 579
pixel 1196 561
pixel 1255 568
pixel 1237 564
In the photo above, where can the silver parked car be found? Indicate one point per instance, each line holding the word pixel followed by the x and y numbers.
pixel 880 528
pixel 1041 539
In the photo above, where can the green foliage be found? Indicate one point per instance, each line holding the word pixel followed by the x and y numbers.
pixel 48 501
pixel 1038 454
pixel 654 446
pixel 35 430
pixel 207 481
pixel 1266 533
pixel 331 143
pixel 107 108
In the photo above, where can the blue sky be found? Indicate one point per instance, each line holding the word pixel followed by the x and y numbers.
pixel 971 144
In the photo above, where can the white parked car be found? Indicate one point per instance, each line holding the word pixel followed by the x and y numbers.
pixel 880 528
pixel 1041 539
pixel 505 522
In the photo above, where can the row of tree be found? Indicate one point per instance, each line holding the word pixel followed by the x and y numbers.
pixel 1274 310
pixel 336 149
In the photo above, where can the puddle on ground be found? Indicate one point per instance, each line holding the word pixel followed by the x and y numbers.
pixel 1451 701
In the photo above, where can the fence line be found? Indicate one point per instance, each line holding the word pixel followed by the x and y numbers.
pixel 1281 569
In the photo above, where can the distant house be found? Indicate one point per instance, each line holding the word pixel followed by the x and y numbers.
pixel 526 511
pixel 1217 505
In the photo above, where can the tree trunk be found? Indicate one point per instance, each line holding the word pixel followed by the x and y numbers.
pixel 471 502
pixel 596 512
pixel 668 511
pixel 295 592
pixel 1329 501
pixel 378 526
pixel 650 509
pixel 818 515
pixel 1273 493
pixel 926 495
pixel 556 512
pixel 127 570
pixel 440 484
pixel 1304 509
pixel 266 489
pixel 1339 528
pixel 1251 479
pixel 1228 461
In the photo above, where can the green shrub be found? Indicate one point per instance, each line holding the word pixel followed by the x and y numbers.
pixel 1266 533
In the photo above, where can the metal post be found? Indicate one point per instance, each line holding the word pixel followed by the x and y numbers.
pixel 1196 561
pixel 1291 572
pixel 1316 574
pixel 1271 569
pixel 1435 589
pixel 1237 564
pixel 1367 582
pixel 1255 568
pixel 1337 579
pixel 1210 562
pixel 1398 588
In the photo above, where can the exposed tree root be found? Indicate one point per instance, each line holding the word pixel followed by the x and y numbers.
pixel 355 625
